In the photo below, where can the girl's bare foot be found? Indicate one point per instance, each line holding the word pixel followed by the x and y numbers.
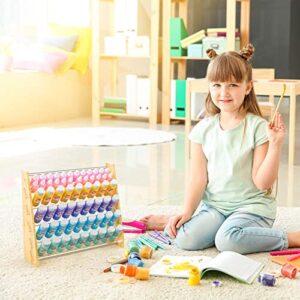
pixel 155 222
pixel 294 239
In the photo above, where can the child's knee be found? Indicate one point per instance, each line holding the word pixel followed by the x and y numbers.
pixel 187 241
pixel 228 241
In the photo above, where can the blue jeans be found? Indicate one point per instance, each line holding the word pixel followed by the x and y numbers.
pixel 240 232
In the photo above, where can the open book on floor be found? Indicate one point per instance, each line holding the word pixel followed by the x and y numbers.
pixel 231 263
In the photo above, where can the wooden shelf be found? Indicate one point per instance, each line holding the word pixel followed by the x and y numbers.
pixel 181 58
pixel 108 77
pixel 124 116
pixel 107 56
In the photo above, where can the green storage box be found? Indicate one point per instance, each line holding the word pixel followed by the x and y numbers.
pixel 177 33
pixel 180 98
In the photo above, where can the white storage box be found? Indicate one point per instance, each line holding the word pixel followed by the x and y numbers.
pixel 138 46
pixel 115 45
pixel 218 43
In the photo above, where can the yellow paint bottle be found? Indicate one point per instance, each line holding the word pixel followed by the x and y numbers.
pixel 194 277
pixel 59 191
pixel 38 196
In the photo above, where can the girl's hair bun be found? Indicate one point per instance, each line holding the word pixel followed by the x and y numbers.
pixel 247 52
pixel 211 53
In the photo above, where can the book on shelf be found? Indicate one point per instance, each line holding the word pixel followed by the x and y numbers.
pixel 231 263
pixel 222 29
pixel 222 33
pixel 193 39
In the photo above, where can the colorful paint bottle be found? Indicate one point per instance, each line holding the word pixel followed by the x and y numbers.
pixel 34 186
pixel 56 182
pixel 38 196
pixel 92 178
pixel 105 203
pixel 108 216
pixel 55 241
pixel 74 240
pixel 110 231
pixel 68 192
pixel 71 224
pixel 94 189
pixel 96 171
pixel 78 208
pixel 40 213
pixel 77 191
pixel 98 220
pixel 114 218
pixel 80 242
pixel 69 210
pixel 64 181
pixel 59 191
pixel 90 220
pixel 114 200
pixel 101 235
pixel 80 223
pixel 61 207
pixel 267 279
pixel 87 206
pixel 50 212
pixel 105 185
pixel 43 247
pixel 42 230
pixel 86 238
pixel 96 205
pixel 289 271
pixel 85 190
pixel 65 239
pixel 48 195
pixel 62 226
pixel 93 236
pixel 52 228
pixel 118 230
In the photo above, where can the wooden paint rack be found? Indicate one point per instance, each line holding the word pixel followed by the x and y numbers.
pixel 66 211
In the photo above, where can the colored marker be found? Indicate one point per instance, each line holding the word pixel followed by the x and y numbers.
pixel 293 257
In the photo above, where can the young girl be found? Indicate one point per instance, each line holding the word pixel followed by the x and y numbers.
pixel 235 156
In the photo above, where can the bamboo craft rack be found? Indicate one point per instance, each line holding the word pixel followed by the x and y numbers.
pixel 52 197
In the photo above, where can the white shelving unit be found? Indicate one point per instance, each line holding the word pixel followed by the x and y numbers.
pixel 106 68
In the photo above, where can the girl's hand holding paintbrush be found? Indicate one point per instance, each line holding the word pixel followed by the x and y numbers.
pixel 276 127
pixel 276 130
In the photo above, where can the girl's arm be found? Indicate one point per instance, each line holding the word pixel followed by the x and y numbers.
pixel 195 189
pixel 267 156
pixel 197 181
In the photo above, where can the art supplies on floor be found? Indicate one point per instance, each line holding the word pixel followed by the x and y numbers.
pixel 283 259
pixel 231 263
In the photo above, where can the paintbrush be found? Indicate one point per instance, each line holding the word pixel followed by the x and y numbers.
pixel 277 107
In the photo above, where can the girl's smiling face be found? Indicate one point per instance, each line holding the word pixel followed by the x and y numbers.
pixel 229 96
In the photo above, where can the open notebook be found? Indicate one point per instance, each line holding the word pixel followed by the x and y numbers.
pixel 231 263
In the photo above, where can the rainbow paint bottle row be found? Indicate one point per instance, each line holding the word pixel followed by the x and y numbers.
pixel 65 242
pixel 76 225
pixel 71 192
pixel 73 177
pixel 75 208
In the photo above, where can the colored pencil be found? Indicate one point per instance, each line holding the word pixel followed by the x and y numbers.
pixel 285 252
pixel 293 257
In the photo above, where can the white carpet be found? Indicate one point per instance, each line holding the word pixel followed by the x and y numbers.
pixel 79 275
pixel 41 139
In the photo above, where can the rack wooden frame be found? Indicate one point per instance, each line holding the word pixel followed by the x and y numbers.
pixel 29 226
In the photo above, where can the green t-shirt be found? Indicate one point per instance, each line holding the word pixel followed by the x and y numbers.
pixel 229 155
